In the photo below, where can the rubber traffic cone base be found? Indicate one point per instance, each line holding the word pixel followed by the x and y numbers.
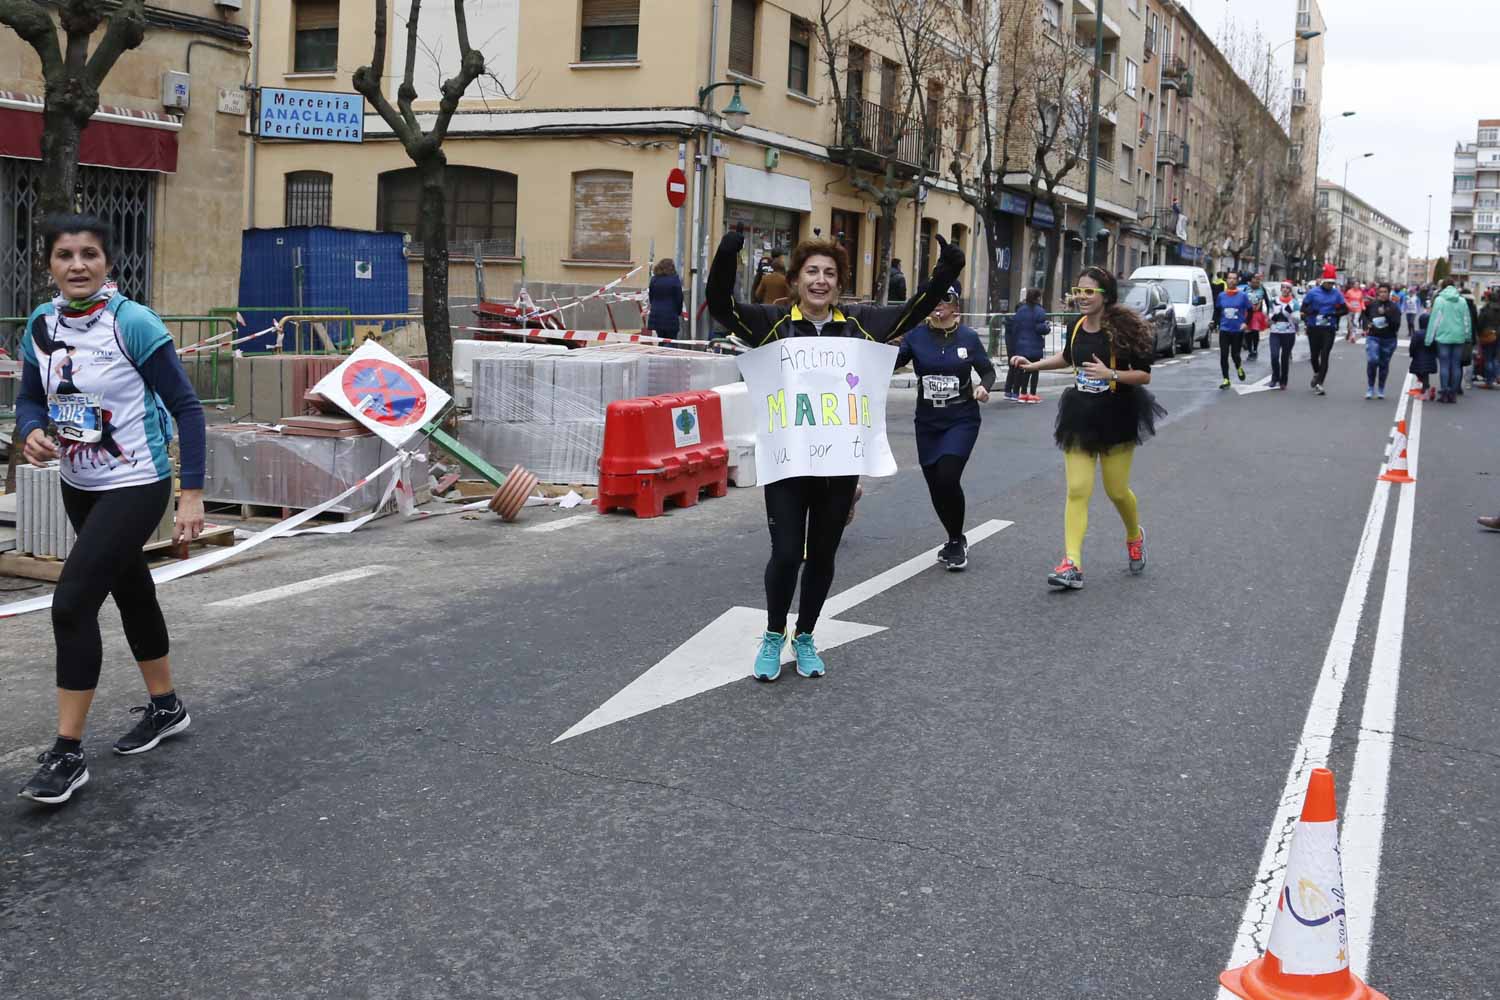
pixel 1263 979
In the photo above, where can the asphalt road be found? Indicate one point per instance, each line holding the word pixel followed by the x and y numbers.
pixel 1009 793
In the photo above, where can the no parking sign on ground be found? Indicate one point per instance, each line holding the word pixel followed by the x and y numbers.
pixel 383 392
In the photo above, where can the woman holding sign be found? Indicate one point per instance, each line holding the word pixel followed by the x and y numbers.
pixel 945 354
pixel 807 514
pixel 1103 416
pixel 100 375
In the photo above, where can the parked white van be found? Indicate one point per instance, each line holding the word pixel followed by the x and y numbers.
pixel 1192 300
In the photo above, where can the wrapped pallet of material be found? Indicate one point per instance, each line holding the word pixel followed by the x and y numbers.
pixel 252 465
pixel 42 525
pixel 514 389
pixel 564 451
pixel 466 352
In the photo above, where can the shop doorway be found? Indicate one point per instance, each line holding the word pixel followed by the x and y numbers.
pixel 768 231
pixel 843 227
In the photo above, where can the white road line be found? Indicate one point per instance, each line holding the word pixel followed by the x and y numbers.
pixel 302 587
pixel 564 522
pixel 859 593
pixel 1364 811
pixel 1317 730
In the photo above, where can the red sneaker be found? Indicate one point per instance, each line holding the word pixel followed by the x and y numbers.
pixel 1067 576
pixel 1136 550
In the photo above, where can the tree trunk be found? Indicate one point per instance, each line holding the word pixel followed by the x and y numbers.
pixel 997 293
pixel 432 228
pixel 61 137
pixel 883 254
pixel 1054 254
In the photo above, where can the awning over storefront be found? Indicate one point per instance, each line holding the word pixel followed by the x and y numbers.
pixel 762 187
pixel 114 137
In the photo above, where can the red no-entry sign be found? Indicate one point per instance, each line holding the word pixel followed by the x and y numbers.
pixel 394 398
pixel 676 187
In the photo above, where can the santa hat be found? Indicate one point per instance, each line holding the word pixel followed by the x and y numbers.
pixel 1330 273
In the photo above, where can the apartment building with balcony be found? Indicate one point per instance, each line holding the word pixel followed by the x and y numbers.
pixel 163 159
pixel 568 167
pixel 1368 244
pixel 1307 97
pixel 1474 212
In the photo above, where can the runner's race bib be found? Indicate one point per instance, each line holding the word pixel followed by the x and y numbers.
pixel 77 416
pixel 1090 385
pixel 1322 320
pixel 939 389
pixel 1231 313
pixel 1378 322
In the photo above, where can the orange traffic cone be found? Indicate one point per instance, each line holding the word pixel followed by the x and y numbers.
pixel 1397 473
pixel 1308 954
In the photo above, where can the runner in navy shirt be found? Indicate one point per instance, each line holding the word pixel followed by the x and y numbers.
pixel 1234 313
pixel 944 353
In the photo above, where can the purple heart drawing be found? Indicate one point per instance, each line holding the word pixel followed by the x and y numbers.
pixel 852 379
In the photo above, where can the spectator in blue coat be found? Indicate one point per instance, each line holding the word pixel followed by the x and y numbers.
pixel 665 297
pixel 1026 335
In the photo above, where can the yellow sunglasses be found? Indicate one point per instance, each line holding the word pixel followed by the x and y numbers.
pixel 1079 293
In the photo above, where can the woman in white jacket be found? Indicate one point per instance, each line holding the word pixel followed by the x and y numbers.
pixel 1284 310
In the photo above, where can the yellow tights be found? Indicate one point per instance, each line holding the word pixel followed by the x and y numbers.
pixel 1115 467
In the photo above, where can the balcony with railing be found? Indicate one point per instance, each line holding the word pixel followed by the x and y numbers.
pixel 1142 208
pixel 1150 42
pixel 1304 20
pixel 1148 125
pixel 1461 201
pixel 1299 97
pixel 1173 69
pixel 1171 148
pixel 865 134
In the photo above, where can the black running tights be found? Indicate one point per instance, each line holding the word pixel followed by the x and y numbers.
pixel 1021 381
pixel 1229 344
pixel 112 526
pixel 805 514
pixel 943 483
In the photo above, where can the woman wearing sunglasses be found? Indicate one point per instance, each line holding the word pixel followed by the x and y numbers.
pixel 945 354
pixel 1103 416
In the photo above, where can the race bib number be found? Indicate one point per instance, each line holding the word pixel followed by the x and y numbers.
pixel 1378 322
pixel 1322 321
pixel 1090 385
pixel 939 388
pixel 77 416
pixel 1231 313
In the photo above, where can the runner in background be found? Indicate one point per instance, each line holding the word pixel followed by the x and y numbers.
pixel 1354 298
pixel 1411 308
pixel 807 514
pixel 1285 317
pixel 1102 417
pixel 946 354
pixel 1423 359
pixel 1382 321
pixel 1321 308
pixel 100 376
pixel 1234 310
pixel 1026 337
pixel 1256 322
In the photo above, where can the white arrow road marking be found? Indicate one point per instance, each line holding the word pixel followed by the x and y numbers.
pixel 720 653
pixel 1264 385
pixel 301 587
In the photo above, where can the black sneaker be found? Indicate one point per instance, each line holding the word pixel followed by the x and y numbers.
pixel 156 725
pixel 60 775
pixel 955 554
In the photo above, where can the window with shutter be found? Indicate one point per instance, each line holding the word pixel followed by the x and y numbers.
pixel 309 198
pixel 602 206
pixel 799 57
pixel 480 208
pixel 315 45
pixel 610 31
pixel 742 36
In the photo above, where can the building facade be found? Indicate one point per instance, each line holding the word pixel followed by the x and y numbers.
pixel 170 179
pixel 1419 271
pixel 1368 244
pixel 1474 215
pixel 1307 96
pixel 559 158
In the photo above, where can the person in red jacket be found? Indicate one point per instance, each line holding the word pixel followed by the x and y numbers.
pixel 1354 298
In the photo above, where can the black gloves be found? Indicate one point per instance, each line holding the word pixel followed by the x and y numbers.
pixel 732 243
pixel 950 257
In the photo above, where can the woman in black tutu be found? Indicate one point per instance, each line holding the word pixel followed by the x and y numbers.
pixel 1101 419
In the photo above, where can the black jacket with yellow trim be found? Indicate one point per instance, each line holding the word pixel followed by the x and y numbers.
pixel 757 325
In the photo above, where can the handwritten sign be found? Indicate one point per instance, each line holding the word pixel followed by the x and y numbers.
pixel 819 406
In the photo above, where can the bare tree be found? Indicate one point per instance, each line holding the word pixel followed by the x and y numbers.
pixel 887 152
pixel 72 78
pixel 425 148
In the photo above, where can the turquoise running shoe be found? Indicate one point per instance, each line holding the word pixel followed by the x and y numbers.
pixel 809 663
pixel 768 660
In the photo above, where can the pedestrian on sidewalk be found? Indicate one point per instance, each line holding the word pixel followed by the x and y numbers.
pixel 773 289
pixel 1411 308
pixel 664 294
pixel 945 355
pixel 1449 329
pixel 1284 313
pixel 807 514
pixel 1423 358
pixel 1354 298
pixel 1467 357
pixel 1026 337
pixel 100 375
pixel 1321 308
pixel 1487 356
pixel 896 285
pixel 1102 417
pixel 1257 320
pixel 1234 311
pixel 1382 322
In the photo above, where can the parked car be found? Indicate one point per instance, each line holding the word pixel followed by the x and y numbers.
pixel 1154 303
pixel 1192 300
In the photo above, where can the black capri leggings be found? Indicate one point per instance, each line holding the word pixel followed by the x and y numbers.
pixel 112 526
pixel 804 513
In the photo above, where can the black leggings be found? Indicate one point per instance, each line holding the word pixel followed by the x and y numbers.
pixel 112 525
pixel 943 483
pixel 805 514
pixel 1229 344
pixel 1321 343
pixel 1021 381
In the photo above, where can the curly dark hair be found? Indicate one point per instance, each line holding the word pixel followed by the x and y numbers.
pixel 1127 331
pixel 820 248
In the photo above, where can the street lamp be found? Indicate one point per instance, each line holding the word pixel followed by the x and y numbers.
pixel 735 113
pixel 1344 203
pixel 1317 216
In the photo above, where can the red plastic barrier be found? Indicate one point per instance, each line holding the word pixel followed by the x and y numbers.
pixel 661 448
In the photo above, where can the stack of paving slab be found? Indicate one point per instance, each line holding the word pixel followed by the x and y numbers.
pixel 260 466
pixel 42 525
pixel 466 352
pixel 546 412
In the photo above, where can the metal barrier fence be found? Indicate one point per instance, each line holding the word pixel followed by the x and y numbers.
pixel 1059 324
pixel 257 318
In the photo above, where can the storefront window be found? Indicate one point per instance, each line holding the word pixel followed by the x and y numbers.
pixel 1039 261
pixel 767 231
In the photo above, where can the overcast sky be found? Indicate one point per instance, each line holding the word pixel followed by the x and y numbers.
pixel 1418 73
